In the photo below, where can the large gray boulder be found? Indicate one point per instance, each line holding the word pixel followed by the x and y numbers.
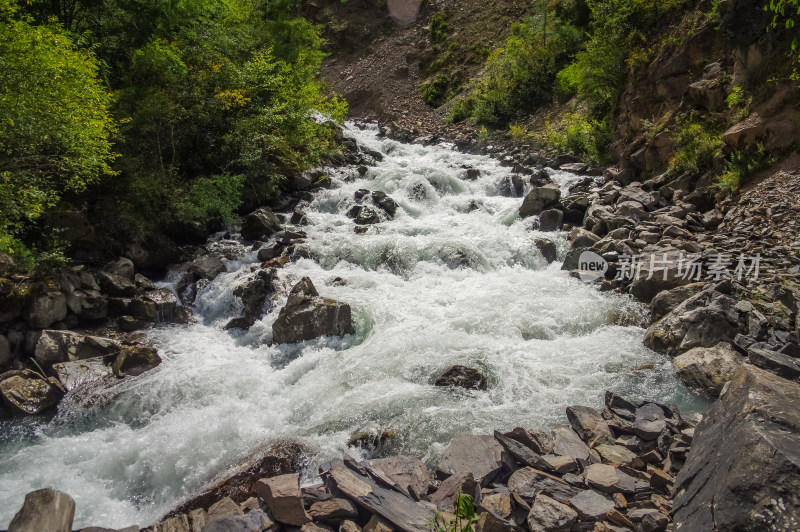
pixel 187 274
pixel 307 316
pixel 46 309
pixel 539 199
pixel 708 368
pixel 260 224
pixel 45 509
pixel 743 472
pixel 703 320
pixel 62 346
pixel 480 455
pixel 88 304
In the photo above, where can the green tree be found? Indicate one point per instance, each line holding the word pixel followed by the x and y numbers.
pixel 55 123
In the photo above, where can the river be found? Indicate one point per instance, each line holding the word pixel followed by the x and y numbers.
pixel 455 278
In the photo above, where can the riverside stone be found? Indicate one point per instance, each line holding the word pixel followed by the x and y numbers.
pixel 307 316
pixel 538 199
pixel 650 421
pixel 332 509
pixel 549 515
pixel 566 442
pixel 551 220
pixel 260 224
pixel 28 393
pixel 743 472
pixel 444 497
pixel 462 376
pixel 44 510
pixel 589 424
pixel 480 455
pixel 708 368
pixel 547 248
pixel 46 309
pixel 76 373
pixel 778 363
pixel 284 499
pixel 538 441
pixel 591 505
pixel 609 479
pixel 409 472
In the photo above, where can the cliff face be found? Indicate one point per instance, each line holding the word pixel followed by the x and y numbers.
pixel 711 59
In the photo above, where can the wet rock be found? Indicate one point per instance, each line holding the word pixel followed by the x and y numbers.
pixel 743 472
pixel 282 496
pixel 363 215
pixel 63 346
pixel 260 224
pixel 708 368
pixel 270 252
pixel 46 309
pixel 28 393
pixel 581 238
pixel 143 310
pixel 589 424
pixel 253 294
pixel 76 373
pixel 547 248
pixel 131 324
pixel 207 268
pixel 551 220
pixel 549 515
pixel 567 443
pixel 650 421
pixel 135 360
pixel 609 479
pixel 539 199
pixel 307 316
pixel 165 303
pixel 480 455
pixel 472 174
pixel 463 377
pixel 44 510
pixel 386 203
pixel 591 505
pixel 511 186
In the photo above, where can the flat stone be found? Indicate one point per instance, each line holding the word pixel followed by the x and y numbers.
pixel 409 472
pixel 479 455
pixel 448 491
pixel 778 363
pixel 499 504
pixel 528 481
pixel 650 421
pixel 591 505
pixel 609 479
pixel 618 455
pixel 76 373
pixel 566 442
pixel 549 515
pixel 332 509
pixel 560 464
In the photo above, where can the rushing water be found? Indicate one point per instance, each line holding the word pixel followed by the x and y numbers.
pixel 455 278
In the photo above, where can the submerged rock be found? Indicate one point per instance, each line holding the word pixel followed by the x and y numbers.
pixel 462 376
pixel 307 316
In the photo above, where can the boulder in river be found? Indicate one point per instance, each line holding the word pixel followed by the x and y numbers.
pixel 462 376
pixel 260 224
pixel 743 472
pixel 708 368
pixel 307 316
pixel 539 199
pixel 63 346
pixel 207 267
pixel 26 392
pixel 45 509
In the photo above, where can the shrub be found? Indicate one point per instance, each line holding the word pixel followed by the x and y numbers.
pixel 741 165
pixel 696 146
pixel 581 135
pixel 439 27
pixel 435 92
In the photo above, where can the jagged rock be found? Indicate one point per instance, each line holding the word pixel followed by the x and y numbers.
pixel 135 360
pixel 617 455
pixel 591 505
pixel 28 393
pixel 143 310
pixel 560 464
pixel 511 186
pixel 122 267
pixel 567 443
pixel 538 441
pixel 523 454
pixel 539 199
pixel 116 285
pixel 527 482
pixel 547 248
pixel 131 324
pixel 408 472
pixel 165 303
pixel 189 273
pixel 549 515
pixel 498 504
pixel 778 363
pixel 254 520
pixel 363 215
pixel 307 316
pixel 270 252
pixel 703 320
pixel 46 309
pixel 376 524
pixel 260 224
pixel 444 497
pixel 480 455
pixel 609 479
pixel 143 283
pixel 284 499
pixel 395 508
pixel 743 472
pixel 708 368
pixel 332 509
pixel 349 526
pixel 551 220
pixel 654 522
pixel 581 238
pixel 667 300
pixel 44 510
pixel 386 203
pixel 589 425
pixel 650 421
pixel 462 376
pixel 253 294
pixel 63 346
pixel 665 267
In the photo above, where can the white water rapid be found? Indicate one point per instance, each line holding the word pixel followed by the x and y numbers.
pixel 455 278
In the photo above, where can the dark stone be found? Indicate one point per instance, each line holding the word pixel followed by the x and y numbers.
pixel 260 224
pixel 29 394
pixel 386 203
pixel 547 248
pixel 778 363
pixel 743 471
pixel 462 376
pixel 539 199
pixel 551 220
pixel 307 316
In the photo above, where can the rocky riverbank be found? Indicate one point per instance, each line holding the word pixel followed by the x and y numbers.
pixel 731 332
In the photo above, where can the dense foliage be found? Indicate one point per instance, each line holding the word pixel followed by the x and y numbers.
pixel 214 103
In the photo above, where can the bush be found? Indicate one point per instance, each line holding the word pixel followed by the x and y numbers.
pixel 435 92
pixel 439 27
pixel 696 146
pixel 740 167
pixel 580 135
